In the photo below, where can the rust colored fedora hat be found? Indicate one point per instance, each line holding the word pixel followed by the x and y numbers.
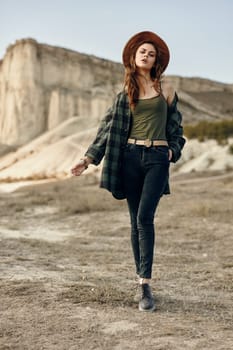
pixel 142 37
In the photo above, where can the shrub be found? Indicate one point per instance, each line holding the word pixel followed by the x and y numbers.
pixel 219 131
pixel 230 149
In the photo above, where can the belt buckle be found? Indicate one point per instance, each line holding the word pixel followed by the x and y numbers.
pixel 148 143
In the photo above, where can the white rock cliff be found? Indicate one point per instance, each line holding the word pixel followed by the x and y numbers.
pixel 42 86
pixel 52 99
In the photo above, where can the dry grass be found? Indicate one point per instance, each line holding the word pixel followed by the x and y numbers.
pixel 72 196
pixel 56 295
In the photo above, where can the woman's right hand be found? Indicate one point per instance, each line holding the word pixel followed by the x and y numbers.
pixel 82 165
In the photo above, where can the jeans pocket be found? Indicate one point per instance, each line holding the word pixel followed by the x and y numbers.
pixel 161 150
pixel 126 150
pixel 129 147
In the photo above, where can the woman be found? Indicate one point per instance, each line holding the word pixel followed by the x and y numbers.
pixel 138 137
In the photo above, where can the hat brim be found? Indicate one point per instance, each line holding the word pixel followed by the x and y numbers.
pixel 142 37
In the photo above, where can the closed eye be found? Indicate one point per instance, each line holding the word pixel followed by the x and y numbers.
pixel 152 54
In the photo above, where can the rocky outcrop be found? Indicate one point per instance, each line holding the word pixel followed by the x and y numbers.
pixel 41 86
pixel 200 85
pixel 208 155
pixel 52 154
pixel 51 101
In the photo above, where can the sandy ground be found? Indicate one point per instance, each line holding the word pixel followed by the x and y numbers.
pixel 67 276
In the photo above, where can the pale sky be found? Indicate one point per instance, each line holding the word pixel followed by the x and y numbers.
pixel 199 33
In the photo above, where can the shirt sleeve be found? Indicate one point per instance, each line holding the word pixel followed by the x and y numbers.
pixel 96 150
pixel 174 130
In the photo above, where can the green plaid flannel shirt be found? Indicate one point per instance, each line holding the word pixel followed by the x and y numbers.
pixel 112 137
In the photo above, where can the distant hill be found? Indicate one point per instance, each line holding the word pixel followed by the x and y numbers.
pixel 52 99
pixel 202 99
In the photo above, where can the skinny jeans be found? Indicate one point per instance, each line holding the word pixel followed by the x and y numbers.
pixel 145 175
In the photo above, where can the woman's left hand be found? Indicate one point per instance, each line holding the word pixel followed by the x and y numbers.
pixel 169 154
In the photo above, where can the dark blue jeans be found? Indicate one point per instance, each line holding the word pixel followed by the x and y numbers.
pixel 145 174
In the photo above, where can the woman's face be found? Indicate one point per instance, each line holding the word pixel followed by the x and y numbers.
pixel 145 56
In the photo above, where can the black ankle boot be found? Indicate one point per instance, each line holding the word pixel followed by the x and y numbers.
pixel 147 302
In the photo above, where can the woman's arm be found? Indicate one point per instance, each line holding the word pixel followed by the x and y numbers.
pixel 96 150
pixel 174 130
pixel 167 90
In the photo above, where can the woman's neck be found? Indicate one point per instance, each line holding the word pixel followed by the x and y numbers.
pixel 145 82
pixel 147 85
pixel 144 78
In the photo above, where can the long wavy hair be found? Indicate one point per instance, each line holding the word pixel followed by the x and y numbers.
pixel 131 82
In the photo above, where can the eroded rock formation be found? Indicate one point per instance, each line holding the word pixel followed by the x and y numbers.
pixel 42 86
pixel 51 101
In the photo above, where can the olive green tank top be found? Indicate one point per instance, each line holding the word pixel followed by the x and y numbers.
pixel 149 119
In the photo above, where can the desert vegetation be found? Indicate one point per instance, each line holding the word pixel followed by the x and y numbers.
pixel 67 275
pixel 204 130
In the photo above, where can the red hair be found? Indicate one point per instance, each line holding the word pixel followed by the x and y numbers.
pixel 131 84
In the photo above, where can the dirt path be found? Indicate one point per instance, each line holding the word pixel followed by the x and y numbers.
pixel 67 275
